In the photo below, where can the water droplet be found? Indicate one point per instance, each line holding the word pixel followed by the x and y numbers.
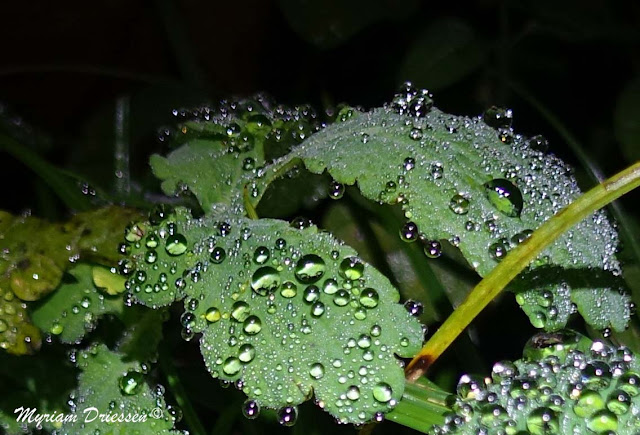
pixel 382 392
pixel 369 298
pixel 414 308
pixel 497 251
pixel 543 421
pixel 353 393
pixel 409 232
pixel 351 268
pixel 588 403
pixel 316 371
pixel 288 290
pixel 336 190
pixel 56 329
pixel 330 286
pixel 341 298
pixel 630 384
pixel 261 255
pixel 240 311
pixel 152 241
pixel 317 309
pixel 432 248
pixel 176 245
pixel 232 366
pixel 151 256
pixel 252 325
pixel 246 353
pixel 539 143
pixel 265 280
pixel 603 422
pixel 459 204
pixel 159 214
pixel 217 255
pixel 288 415
pixel 498 117
pixel 311 294
pixel 250 409
pixel 310 269
pixel 212 315
pixel 131 382
pixel 415 133
pixel 409 163
pixel 504 196
pixel 280 244
pixel 248 164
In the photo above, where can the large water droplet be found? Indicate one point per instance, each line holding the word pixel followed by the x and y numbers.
pixel 252 325
pixel 265 280
pixel 288 290
pixel 351 268
pixel 459 204
pixel 505 196
pixel 250 409
pixel 336 190
pixel 212 315
pixel 409 232
pixel 240 311
pixel 369 298
pixel 310 268
pixel 316 371
pixel 382 392
pixel 288 415
pixel 232 366
pixel 131 382
pixel 246 353
pixel 176 245
pixel 261 255
pixel 217 255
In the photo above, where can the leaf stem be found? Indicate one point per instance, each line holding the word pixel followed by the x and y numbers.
pixel 517 260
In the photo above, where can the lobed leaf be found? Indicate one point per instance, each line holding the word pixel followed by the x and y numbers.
pixel 290 312
pixel 112 385
pixel 75 307
pixel 483 189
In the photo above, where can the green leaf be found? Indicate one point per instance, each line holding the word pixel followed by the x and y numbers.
pixel 76 306
pixel 143 333
pixel 36 254
pixel 291 312
pixel 625 119
pixel 226 146
pixel 564 384
pixel 444 53
pixel 481 188
pixel 115 387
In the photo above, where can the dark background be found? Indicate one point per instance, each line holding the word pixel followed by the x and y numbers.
pixel 63 65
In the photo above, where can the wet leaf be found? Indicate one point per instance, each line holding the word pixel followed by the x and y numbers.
pixel 75 307
pixel 484 189
pixel 291 312
pixel 109 385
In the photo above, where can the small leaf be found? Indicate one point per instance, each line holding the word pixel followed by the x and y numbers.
pixel 482 188
pixel 225 146
pixel 111 386
pixel 75 307
pixel 291 312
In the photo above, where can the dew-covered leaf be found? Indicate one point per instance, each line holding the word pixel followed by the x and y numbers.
pixel 291 312
pixel 475 183
pixel 223 146
pixel 75 307
pixel 109 384
pixel 564 384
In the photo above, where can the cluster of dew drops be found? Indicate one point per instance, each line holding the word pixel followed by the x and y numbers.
pixel 558 382
pixel 265 281
pixel 501 193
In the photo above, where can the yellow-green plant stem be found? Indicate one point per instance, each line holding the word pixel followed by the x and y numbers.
pixel 517 260
pixel 422 406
